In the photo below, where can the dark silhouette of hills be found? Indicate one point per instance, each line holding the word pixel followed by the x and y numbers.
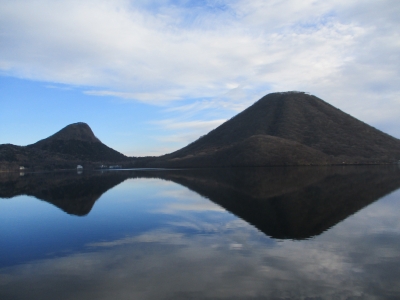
pixel 78 131
pixel 257 150
pixel 72 145
pixel 78 140
pixel 283 203
pixel 290 128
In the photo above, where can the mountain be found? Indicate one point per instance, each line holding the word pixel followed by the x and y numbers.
pixel 72 145
pixel 78 141
pixel 289 128
pixel 78 131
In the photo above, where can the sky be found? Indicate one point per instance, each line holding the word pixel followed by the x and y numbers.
pixel 149 77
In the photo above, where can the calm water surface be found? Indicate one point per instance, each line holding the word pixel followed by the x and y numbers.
pixel 263 233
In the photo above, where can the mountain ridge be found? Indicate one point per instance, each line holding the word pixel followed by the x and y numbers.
pixel 286 128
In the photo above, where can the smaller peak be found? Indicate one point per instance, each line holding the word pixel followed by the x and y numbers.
pixel 76 131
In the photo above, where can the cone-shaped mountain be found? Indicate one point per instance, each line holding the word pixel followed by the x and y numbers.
pixel 289 128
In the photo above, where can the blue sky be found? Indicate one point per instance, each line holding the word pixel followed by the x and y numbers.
pixel 150 77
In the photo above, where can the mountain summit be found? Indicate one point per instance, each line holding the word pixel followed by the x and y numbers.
pixel 78 131
pixel 288 128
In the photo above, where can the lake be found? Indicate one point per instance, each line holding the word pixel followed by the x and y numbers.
pixel 243 233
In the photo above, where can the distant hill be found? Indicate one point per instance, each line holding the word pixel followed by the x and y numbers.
pixel 74 144
pixel 289 128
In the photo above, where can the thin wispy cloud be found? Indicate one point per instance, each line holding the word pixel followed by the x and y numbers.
pixel 175 124
pixel 179 132
pixel 150 98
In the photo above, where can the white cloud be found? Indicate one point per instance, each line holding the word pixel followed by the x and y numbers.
pixel 228 53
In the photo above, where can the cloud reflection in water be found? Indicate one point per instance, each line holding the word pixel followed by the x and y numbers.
pixel 210 254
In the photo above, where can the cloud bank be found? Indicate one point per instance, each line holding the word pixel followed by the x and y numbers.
pixel 218 54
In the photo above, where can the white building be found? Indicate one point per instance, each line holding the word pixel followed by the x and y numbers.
pixel 79 167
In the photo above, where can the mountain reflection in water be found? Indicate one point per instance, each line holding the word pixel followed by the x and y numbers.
pixel 315 233
pixel 282 202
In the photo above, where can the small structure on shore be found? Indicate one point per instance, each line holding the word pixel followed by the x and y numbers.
pixel 115 167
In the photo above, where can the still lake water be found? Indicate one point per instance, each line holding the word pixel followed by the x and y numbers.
pixel 261 233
